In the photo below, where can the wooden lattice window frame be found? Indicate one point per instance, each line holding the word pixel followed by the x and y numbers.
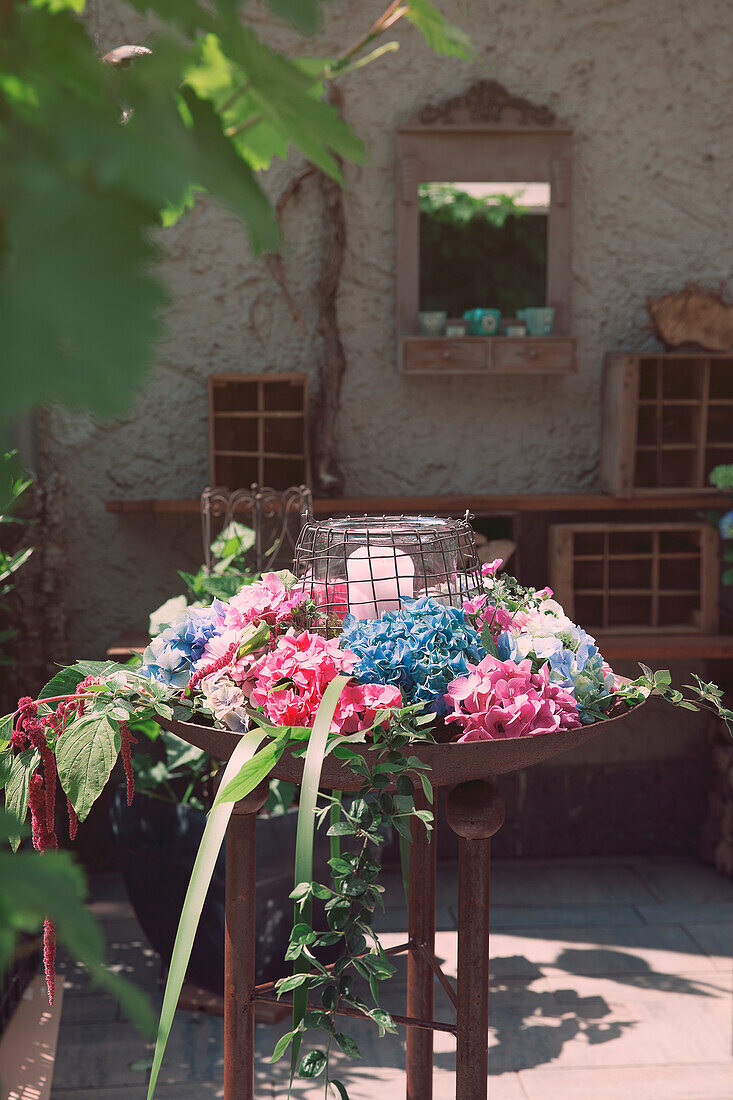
pixel 637 578
pixel 248 416
pixel 667 421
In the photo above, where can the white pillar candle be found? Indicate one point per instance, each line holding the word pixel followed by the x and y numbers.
pixel 378 577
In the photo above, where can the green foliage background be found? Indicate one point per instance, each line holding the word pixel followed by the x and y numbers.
pixel 80 302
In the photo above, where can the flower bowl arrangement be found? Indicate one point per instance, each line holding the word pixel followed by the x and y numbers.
pixel 383 684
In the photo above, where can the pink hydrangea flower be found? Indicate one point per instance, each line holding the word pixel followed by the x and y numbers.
pixel 218 648
pixel 503 699
pixel 267 600
pixel 289 682
pixel 331 595
pixel 498 618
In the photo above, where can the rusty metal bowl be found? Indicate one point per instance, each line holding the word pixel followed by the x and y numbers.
pixel 449 763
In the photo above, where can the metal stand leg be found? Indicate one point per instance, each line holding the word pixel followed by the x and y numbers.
pixel 420 977
pixel 475 811
pixel 239 947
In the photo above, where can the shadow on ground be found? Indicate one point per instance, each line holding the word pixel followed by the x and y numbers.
pixel 530 1026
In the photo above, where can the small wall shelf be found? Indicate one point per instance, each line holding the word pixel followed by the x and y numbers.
pixel 488 355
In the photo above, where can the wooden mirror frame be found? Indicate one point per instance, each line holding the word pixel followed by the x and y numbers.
pixel 484 134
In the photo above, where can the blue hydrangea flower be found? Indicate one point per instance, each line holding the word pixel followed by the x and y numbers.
pixel 725 525
pixel 574 661
pixel 171 654
pixel 420 648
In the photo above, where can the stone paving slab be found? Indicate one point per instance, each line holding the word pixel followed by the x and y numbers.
pixel 202 1090
pixel 589 951
pixel 674 1082
pixel 682 912
pixel 677 880
pixel 716 939
pixel 546 884
pixel 562 916
pixel 599 989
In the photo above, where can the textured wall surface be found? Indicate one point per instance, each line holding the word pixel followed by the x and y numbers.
pixel 647 86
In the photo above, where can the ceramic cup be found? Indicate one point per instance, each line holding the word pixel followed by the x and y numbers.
pixel 515 330
pixel 538 319
pixel 482 322
pixel 432 321
pixel 455 328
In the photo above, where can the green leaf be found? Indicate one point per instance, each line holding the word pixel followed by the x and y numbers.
pixel 52 339
pixel 317 1019
pixel 65 682
pixel 198 887
pixel 85 755
pixel 6 766
pixel 282 1045
pixel 313 1064
pixel 17 786
pixel 306 824
pixel 383 1019
pixel 302 891
pixel 252 773
pixel 286 98
pixel 302 933
pixel 6 730
pixel 348 1045
pixel 52 885
pixel 304 14
pixel 341 1088
pixel 440 35
pixel 228 176
pixel 291 982
pixel 98 669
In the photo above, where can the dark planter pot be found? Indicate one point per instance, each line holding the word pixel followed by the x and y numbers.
pixel 157 844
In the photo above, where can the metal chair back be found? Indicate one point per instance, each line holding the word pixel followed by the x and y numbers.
pixel 273 519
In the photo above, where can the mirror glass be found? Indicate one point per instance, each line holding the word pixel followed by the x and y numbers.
pixel 483 245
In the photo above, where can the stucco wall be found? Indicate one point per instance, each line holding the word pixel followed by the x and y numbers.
pixel 647 86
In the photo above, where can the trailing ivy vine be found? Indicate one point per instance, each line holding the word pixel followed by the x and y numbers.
pixel 353 894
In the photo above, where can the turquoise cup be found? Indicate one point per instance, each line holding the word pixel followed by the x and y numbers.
pixel 538 319
pixel 482 322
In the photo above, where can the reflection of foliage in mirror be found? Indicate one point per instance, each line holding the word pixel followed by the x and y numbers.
pixel 480 251
pixel 446 203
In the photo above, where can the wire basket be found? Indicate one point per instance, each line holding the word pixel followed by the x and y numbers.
pixel 367 566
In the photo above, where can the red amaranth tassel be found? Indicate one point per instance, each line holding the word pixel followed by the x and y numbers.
pixel 49 957
pixel 126 743
pixel 73 820
pixel 222 662
pixel 82 687
pixel 37 807
pixel 49 775
pixel 43 836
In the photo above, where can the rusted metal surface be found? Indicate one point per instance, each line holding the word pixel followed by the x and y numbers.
pixel 475 811
pixel 420 978
pixel 450 763
pixel 446 983
pixel 239 947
